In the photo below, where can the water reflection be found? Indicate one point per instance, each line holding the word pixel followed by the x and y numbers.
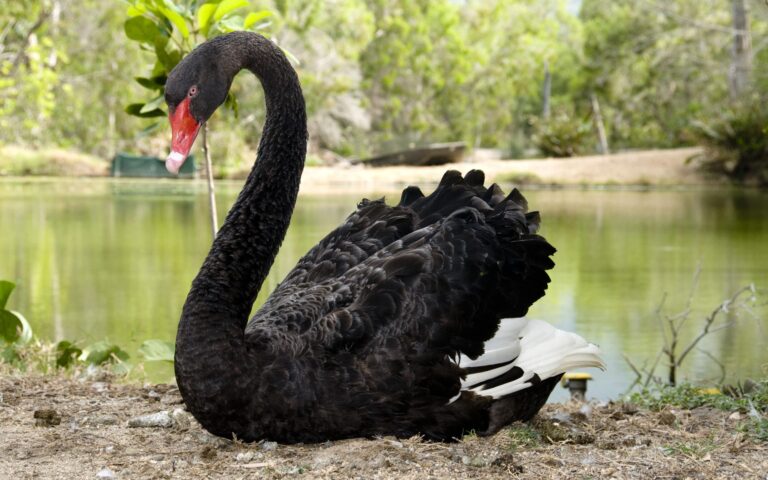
pixel 114 259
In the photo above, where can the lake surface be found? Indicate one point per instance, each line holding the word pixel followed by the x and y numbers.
pixel 113 259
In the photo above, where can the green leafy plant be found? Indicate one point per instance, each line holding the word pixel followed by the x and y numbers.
pixel 15 331
pixel 171 29
pixel 67 354
pixel 158 351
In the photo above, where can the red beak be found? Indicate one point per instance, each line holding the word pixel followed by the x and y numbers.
pixel 184 129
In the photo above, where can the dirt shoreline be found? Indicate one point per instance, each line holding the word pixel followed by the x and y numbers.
pixel 85 434
pixel 648 168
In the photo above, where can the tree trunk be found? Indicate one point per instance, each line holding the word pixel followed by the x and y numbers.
pixel 546 91
pixel 598 118
pixel 741 55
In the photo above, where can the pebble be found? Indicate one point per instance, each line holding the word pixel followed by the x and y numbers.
pixel 182 418
pixel 107 419
pixel 47 418
pixel 667 418
pixel 160 419
pixel 269 446
pixel 100 387
pixel 734 416
pixel 473 461
pixel 244 457
pixel 105 473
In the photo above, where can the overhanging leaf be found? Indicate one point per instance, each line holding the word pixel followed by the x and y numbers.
pixel 10 327
pixel 154 83
pixel 135 109
pixel 26 329
pixel 204 14
pixel 152 105
pixel 157 350
pixel 6 288
pixel 141 29
pixel 177 20
pixel 228 6
pixel 230 24
pixel 254 17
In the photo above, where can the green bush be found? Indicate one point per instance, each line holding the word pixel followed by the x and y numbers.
pixel 561 135
pixel 736 145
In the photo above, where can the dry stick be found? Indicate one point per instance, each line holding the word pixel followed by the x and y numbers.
pixel 718 363
pixel 723 307
pixel 209 175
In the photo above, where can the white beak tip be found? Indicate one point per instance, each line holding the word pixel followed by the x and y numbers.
pixel 174 162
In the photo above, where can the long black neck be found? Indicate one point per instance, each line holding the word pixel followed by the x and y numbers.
pixel 217 307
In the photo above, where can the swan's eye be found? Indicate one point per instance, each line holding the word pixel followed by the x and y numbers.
pixel 192 91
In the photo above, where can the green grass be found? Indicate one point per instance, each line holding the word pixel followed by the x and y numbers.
pixel 754 403
pixel 691 449
pixel 523 436
pixel 688 396
pixel 20 161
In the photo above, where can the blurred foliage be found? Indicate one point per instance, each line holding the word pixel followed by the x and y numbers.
pixel 379 73
pixel 561 135
pixel 736 144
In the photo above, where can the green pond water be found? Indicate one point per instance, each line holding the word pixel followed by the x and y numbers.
pixel 113 259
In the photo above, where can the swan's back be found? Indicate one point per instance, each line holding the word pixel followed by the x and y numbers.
pixel 376 329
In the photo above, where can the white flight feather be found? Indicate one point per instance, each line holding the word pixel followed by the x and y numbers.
pixel 534 346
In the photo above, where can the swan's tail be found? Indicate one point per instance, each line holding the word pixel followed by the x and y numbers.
pixel 521 365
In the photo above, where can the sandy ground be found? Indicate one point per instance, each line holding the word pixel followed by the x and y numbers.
pixel 642 168
pixel 82 431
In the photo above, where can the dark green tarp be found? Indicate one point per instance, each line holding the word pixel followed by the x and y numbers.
pixel 125 165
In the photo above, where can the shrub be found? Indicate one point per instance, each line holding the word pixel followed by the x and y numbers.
pixel 561 135
pixel 736 145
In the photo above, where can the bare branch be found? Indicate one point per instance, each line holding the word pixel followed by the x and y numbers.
pixel 722 308
pixel 718 362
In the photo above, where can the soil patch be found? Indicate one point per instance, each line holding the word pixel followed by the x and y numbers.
pixel 57 427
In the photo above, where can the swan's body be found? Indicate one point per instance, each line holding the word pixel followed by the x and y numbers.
pixel 391 325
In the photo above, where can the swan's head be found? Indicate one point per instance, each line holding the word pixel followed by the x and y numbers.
pixel 194 90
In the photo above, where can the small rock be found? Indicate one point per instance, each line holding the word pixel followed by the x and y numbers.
pixel 160 419
pixel 171 399
pixel 667 418
pixel 269 446
pixel 100 387
pixel 734 416
pixel 105 473
pixel 182 418
pixel 208 453
pixel 47 418
pixel 629 408
pixel 218 442
pixel 153 395
pixel 109 449
pixel 106 419
pixel 552 461
pixel 473 461
pixel 507 461
pixel 586 410
pixel 244 457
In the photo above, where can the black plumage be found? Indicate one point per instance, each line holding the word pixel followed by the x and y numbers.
pixel 362 337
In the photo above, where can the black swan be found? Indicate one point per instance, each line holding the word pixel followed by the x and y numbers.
pixel 403 321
